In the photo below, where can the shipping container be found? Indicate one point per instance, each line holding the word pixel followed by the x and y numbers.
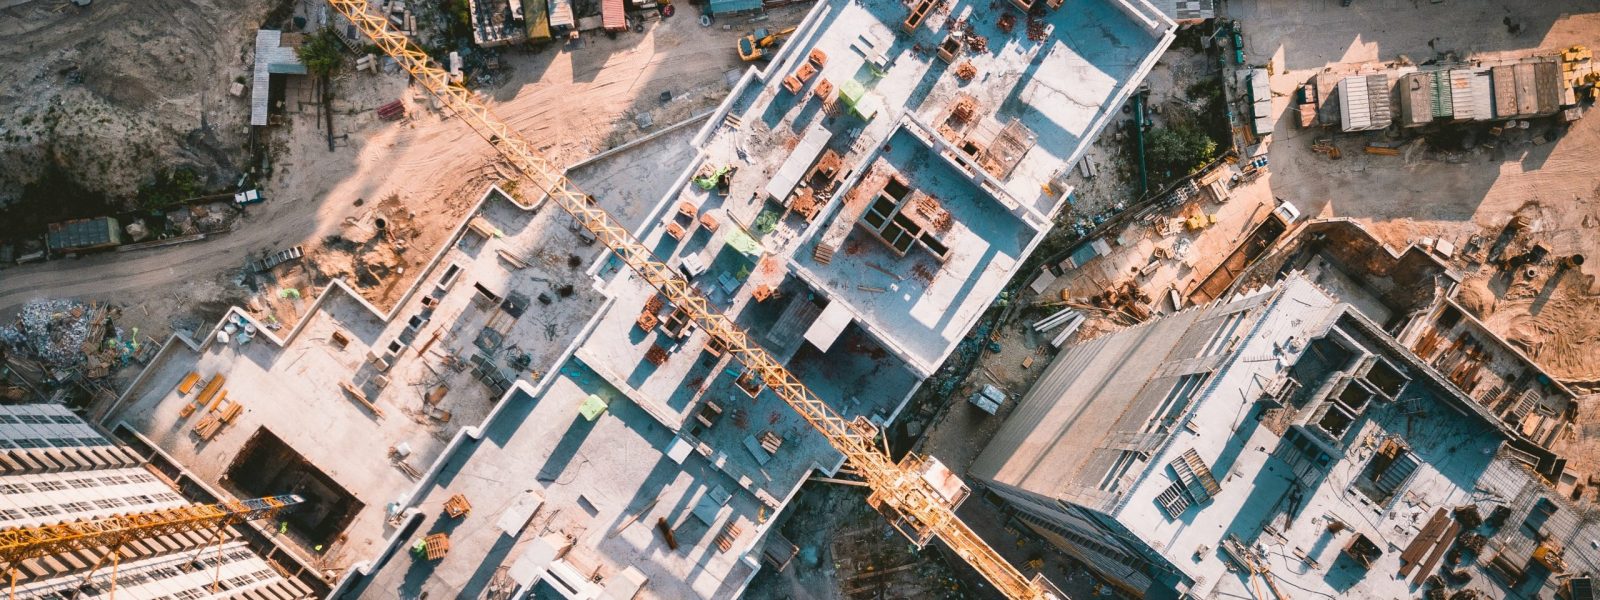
pixel 1547 87
pixel 84 234
pixel 537 14
pixel 1416 99
pixel 1353 114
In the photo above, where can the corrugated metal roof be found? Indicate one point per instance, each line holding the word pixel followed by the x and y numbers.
pixel 1443 104
pixel 1354 114
pixel 1463 95
pixel 1260 85
pixel 613 17
pixel 1263 125
pixel 718 7
pixel 271 57
pixel 561 13
pixel 1262 108
pixel 1378 100
pixel 83 234
pixel 1505 92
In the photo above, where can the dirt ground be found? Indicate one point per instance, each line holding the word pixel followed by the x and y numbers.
pixel 426 170
pixel 114 91
pixel 1451 195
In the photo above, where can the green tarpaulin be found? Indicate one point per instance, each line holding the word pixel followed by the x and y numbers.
pixel 741 241
pixel 710 181
pixel 862 103
pixel 592 407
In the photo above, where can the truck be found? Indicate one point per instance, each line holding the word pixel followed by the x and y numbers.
pixel 248 197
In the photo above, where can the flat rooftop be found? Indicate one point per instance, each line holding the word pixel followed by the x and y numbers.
pixel 1364 436
pixel 293 386
pixel 920 302
pixel 521 338
pixel 604 486
pixel 1034 99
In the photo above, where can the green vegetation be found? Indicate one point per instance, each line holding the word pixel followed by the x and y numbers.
pixel 460 18
pixel 170 187
pixel 321 53
pixel 1213 115
pixel 1177 151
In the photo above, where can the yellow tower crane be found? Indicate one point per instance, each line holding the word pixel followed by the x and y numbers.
pixel 913 503
pixel 25 543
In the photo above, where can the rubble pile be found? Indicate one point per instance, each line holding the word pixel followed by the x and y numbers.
pixel 66 336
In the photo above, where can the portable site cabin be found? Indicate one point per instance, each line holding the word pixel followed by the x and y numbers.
pixel 1260 101
pixel 536 15
pixel 561 18
pixel 1364 103
pixel 613 15
pixel 276 56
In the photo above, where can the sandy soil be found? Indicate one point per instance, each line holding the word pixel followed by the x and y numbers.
pixel 1451 195
pixel 576 100
pixel 117 90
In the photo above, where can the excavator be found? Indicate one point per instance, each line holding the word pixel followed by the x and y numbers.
pixel 753 46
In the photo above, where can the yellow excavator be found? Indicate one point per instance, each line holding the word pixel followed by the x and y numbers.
pixel 753 46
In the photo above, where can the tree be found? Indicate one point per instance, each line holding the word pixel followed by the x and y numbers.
pixel 321 53
pixel 1178 151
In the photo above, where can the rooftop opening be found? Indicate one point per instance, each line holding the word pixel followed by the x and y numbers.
pixel 1335 421
pixel 1386 378
pixel 1355 396
pixel 266 466
pixel 1390 468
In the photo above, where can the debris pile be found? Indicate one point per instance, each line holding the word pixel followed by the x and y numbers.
pixel 966 71
pixel 71 338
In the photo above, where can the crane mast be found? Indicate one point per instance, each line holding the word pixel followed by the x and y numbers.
pixel 914 506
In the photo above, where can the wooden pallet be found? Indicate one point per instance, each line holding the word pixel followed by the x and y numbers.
pixel 436 546
pixel 457 506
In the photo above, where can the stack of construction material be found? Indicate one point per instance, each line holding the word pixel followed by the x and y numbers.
pixel 392 111
pixel 1066 316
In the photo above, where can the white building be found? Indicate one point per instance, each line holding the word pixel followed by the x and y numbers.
pixel 54 467
pixel 1281 430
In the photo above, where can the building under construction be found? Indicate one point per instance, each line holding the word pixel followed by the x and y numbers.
pixel 1281 441
pixel 528 421
pixel 56 468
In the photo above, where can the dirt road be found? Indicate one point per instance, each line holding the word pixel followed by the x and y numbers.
pixel 575 100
